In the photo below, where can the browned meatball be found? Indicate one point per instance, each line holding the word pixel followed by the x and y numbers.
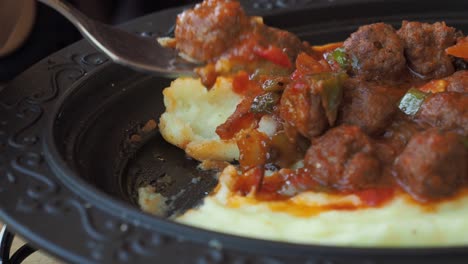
pixel 344 158
pixel 458 82
pixel 286 41
pixel 447 111
pixel 399 133
pixel 368 105
pixel 207 30
pixel 425 46
pixel 376 52
pixel 301 108
pixel 433 165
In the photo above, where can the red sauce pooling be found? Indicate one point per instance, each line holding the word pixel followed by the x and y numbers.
pixel 241 84
pixel 282 185
pixel 376 197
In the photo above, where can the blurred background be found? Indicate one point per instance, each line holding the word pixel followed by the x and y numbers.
pixel 45 31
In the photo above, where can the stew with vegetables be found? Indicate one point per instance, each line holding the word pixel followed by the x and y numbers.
pixel 385 110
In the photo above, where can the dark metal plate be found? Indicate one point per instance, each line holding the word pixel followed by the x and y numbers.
pixel 68 175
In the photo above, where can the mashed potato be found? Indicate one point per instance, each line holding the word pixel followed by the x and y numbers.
pixel 191 117
pixel 152 202
pixel 300 220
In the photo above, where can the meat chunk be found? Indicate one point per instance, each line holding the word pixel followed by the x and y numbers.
pixel 207 30
pixel 344 158
pixel 446 110
pixel 458 82
pixel 425 46
pixel 221 27
pixel 376 52
pixel 398 134
pixel 368 105
pixel 301 108
pixel 432 165
pixel 310 102
pixel 282 39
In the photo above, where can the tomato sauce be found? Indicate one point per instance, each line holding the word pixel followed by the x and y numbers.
pixel 338 107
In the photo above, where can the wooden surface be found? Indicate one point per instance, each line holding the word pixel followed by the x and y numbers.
pixel 38 257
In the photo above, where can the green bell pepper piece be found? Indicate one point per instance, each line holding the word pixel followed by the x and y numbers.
pixel 330 88
pixel 265 103
pixel 339 56
pixel 412 101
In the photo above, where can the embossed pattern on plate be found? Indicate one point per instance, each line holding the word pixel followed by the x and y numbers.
pixel 40 207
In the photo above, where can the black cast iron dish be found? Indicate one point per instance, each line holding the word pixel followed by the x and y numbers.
pixel 68 173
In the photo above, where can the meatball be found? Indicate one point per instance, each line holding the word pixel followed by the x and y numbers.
pixel 425 46
pixel 207 30
pixel 301 108
pixel 433 165
pixel 286 41
pixel 344 158
pixel 368 105
pixel 458 82
pixel 399 133
pixel 446 110
pixel 376 52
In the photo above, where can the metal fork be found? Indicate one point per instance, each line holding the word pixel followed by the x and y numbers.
pixel 131 50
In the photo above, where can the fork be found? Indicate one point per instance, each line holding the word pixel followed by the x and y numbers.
pixel 130 50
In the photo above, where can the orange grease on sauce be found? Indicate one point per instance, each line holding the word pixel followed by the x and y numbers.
pixel 373 198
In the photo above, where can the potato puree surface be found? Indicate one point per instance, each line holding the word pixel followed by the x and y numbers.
pixel 191 117
pixel 400 223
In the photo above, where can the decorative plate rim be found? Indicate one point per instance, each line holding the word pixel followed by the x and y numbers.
pixel 118 239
